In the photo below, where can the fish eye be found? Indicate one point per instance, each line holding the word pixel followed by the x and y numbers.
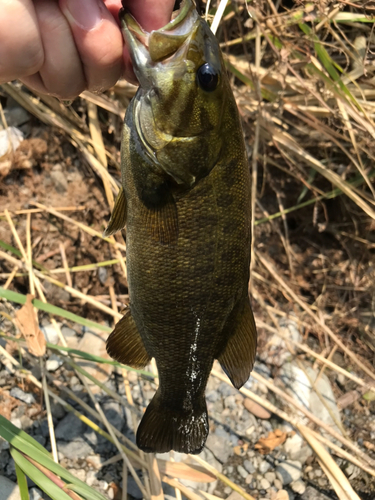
pixel 207 77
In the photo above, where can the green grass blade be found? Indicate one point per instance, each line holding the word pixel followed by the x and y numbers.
pixel 30 447
pixel 16 252
pixel 44 483
pixel 266 94
pixel 329 65
pixel 22 483
pixel 327 196
pixel 12 434
pixel 49 308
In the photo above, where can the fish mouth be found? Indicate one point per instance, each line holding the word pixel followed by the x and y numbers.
pixel 147 49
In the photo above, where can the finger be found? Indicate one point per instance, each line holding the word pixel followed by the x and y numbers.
pixel 151 15
pixel 61 73
pixel 21 49
pixel 98 40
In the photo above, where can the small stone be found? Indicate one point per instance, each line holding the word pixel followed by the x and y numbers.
pixel 35 494
pixel 79 473
pixel 59 180
pixel 227 490
pixel 95 461
pixel 278 484
pixel 249 466
pixel 69 428
pixel 57 410
pixel 16 422
pixel 18 393
pixel 264 467
pixel 212 396
pixel 234 496
pixel 289 471
pixel 115 414
pixel 270 476
pixel 264 484
pixel 53 363
pixel 313 494
pixel 8 489
pixel 4 445
pixel 10 139
pixel 91 477
pixel 133 489
pixel 298 487
pixel 50 333
pixel 220 446
pixel 16 116
pixel 249 478
pixel 74 449
pixel 256 409
pixel 242 471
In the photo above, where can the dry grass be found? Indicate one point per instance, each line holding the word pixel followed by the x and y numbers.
pixel 304 79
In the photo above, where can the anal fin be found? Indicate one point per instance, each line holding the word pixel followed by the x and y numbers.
pixel 125 344
pixel 238 357
pixel 118 216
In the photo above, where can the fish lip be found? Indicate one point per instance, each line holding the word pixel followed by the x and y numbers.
pixel 149 48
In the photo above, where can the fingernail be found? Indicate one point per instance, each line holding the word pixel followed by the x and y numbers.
pixel 86 13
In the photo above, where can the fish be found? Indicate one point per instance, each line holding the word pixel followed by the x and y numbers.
pixel 185 202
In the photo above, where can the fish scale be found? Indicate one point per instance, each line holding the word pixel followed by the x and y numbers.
pixel 187 212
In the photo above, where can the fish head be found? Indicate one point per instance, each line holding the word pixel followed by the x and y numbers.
pixel 182 95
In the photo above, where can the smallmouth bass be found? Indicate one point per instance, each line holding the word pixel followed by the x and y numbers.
pixel 185 201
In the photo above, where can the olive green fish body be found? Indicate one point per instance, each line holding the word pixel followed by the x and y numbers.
pixel 188 256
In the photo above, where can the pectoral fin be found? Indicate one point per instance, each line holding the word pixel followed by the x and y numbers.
pixel 162 223
pixel 118 216
pixel 238 357
pixel 125 344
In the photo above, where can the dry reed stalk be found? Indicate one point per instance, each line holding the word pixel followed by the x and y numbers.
pixel 10 277
pixel 322 400
pixel 39 210
pixel 114 437
pixel 319 321
pixel 309 351
pixel 295 422
pixel 98 144
pixel 65 265
pixel 222 477
pixel 349 444
pixel 337 478
pixel 82 226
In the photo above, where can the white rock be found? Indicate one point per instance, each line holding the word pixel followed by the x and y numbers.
pixel 298 487
pixel 10 139
pixel 264 484
pixel 298 385
pixel 35 494
pixel 54 362
pixel 293 444
pixel 277 351
pixel 264 467
pixel 50 333
pixel 26 397
pixel 8 489
pixel 91 477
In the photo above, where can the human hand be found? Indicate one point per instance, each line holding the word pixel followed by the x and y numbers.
pixel 62 47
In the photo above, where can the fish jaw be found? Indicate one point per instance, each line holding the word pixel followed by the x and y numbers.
pixel 148 49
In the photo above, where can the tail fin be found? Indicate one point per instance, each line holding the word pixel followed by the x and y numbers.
pixel 163 429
